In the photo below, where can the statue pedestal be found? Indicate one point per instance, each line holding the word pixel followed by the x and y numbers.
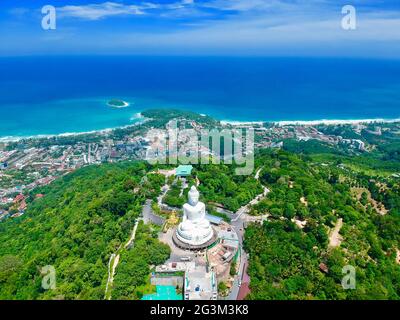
pixel 186 246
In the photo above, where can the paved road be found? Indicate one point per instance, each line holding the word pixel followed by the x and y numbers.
pixel 176 253
pixel 237 225
pixel 245 209
pixel 237 222
pixel 164 189
pixel 149 216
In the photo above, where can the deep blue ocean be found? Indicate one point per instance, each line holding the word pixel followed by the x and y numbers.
pixel 52 95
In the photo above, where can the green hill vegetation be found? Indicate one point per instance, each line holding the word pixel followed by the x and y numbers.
pixel 82 219
pixel 131 279
pixel 86 216
pixel 285 259
pixel 220 185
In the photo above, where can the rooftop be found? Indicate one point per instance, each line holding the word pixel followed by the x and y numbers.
pixel 163 293
pixel 184 170
pixel 228 238
pixel 200 284
pixel 214 219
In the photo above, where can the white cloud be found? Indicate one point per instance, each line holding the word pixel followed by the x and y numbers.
pixel 270 35
pixel 262 27
pixel 108 9
pixel 98 11
pixel 239 5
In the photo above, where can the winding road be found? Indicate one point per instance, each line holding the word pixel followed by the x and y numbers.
pixel 237 223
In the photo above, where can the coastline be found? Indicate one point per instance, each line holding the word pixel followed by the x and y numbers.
pixel 326 122
pixel 138 115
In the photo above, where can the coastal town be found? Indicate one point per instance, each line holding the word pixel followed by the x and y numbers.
pixel 199 158
pixel 27 167
pixel 26 164
pixel 202 230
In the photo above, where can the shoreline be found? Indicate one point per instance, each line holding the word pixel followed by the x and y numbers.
pixel 71 134
pixel 138 115
pixel 311 122
pixel 328 122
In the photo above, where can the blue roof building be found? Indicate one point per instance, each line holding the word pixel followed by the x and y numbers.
pixel 164 293
pixel 214 219
pixel 183 171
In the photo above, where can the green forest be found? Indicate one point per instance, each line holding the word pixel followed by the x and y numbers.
pixel 285 259
pixel 86 216
pixel 220 185
pixel 82 219
pixel 131 278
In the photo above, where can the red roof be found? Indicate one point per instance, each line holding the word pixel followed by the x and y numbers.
pixel 19 198
pixel 323 267
pixel 243 291
pixel 22 206
pixel 244 288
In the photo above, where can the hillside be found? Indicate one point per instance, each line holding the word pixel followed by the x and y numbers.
pixel 294 254
pixel 324 212
pixel 82 218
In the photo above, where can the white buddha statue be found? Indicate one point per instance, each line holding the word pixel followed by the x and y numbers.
pixel 195 229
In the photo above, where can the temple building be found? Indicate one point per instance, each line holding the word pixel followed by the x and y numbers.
pixel 183 171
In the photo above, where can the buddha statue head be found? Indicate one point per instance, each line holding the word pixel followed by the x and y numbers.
pixel 193 196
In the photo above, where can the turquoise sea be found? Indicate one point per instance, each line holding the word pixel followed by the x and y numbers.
pixel 53 95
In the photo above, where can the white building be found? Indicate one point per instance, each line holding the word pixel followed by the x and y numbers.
pixel 200 284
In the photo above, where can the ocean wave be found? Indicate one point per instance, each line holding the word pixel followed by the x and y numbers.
pixel 334 122
pixel 311 122
pixel 237 123
pixel 137 116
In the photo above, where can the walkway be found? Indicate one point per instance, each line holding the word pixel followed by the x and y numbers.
pixel 114 260
pixel 149 216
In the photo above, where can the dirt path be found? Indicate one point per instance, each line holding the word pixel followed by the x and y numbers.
pixel 378 206
pixel 398 256
pixel 335 239
pixel 257 175
pixel 133 235
pixel 299 223
pixel 115 260
pixel 112 257
pixel 114 266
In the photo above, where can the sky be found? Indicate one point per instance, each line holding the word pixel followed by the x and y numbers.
pixel 201 27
